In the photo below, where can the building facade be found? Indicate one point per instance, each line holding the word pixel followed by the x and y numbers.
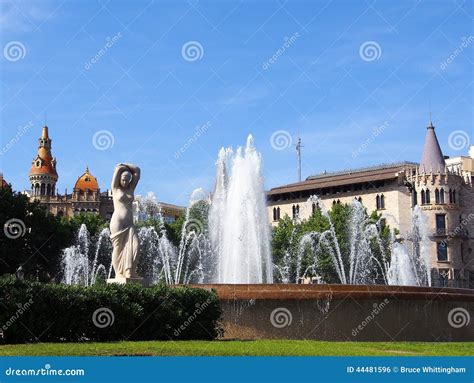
pixel 86 196
pixel 442 187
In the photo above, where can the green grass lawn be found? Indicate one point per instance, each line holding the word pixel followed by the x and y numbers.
pixel 242 348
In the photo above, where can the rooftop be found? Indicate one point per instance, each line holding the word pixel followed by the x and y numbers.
pixel 360 170
pixel 346 177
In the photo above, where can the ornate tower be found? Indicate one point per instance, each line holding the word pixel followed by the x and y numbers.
pixel 43 174
pixel 437 191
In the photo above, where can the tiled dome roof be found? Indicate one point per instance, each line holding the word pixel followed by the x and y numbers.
pixel 86 182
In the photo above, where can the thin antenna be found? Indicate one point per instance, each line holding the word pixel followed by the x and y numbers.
pixel 45 119
pixel 431 121
pixel 298 153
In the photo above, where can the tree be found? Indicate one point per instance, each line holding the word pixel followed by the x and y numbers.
pixel 30 237
pixel 287 238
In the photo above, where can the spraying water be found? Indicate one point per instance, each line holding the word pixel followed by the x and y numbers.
pixel 238 219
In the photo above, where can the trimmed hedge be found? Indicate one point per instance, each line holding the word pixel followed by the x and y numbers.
pixel 40 312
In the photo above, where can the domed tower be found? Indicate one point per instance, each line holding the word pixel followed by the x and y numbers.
pixel 86 184
pixel 86 194
pixel 437 191
pixel 43 174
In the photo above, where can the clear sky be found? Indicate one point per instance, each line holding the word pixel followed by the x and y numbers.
pixel 166 84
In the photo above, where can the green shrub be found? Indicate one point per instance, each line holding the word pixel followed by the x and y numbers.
pixel 33 312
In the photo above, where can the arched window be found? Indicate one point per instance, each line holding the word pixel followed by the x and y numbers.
pixel 382 201
pixel 297 211
pixel 437 200
pixel 441 196
pixel 294 212
pixel 377 201
pixel 48 189
pixel 454 196
pixel 278 213
pixel 43 189
pixel 423 197
pixel 450 196
pixel 415 198
pixel 428 199
pixel 274 214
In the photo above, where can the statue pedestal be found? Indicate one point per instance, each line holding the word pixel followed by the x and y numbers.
pixel 126 281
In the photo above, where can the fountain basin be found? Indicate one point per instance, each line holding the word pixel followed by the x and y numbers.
pixel 345 312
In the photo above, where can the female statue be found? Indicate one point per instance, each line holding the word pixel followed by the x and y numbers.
pixel 123 233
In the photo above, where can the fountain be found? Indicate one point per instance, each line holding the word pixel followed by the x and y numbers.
pixel 224 244
pixel 227 240
pixel 238 219
pixel 82 263
pixel 367 262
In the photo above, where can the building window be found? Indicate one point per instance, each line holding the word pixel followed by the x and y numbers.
pixel 437 196
pixel 380 202
pixel 296 211
pixel 425 197
pixel 414 198
pixel 452 196
pixel 443 277
pixel 276 213
pixel 314 207
pixel 441 224
pixel 441 196
pixel 442 251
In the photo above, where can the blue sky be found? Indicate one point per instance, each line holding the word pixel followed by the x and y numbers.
pixel 354 79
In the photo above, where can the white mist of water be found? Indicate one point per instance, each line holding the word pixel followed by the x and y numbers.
pixel 80 265
pixel 238 220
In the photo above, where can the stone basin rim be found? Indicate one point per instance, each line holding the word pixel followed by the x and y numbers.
pixel 334 291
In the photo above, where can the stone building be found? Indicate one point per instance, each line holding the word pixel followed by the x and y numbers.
pixel 86 195
pixel 442 187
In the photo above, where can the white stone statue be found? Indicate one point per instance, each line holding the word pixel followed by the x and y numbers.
pixel 123 233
